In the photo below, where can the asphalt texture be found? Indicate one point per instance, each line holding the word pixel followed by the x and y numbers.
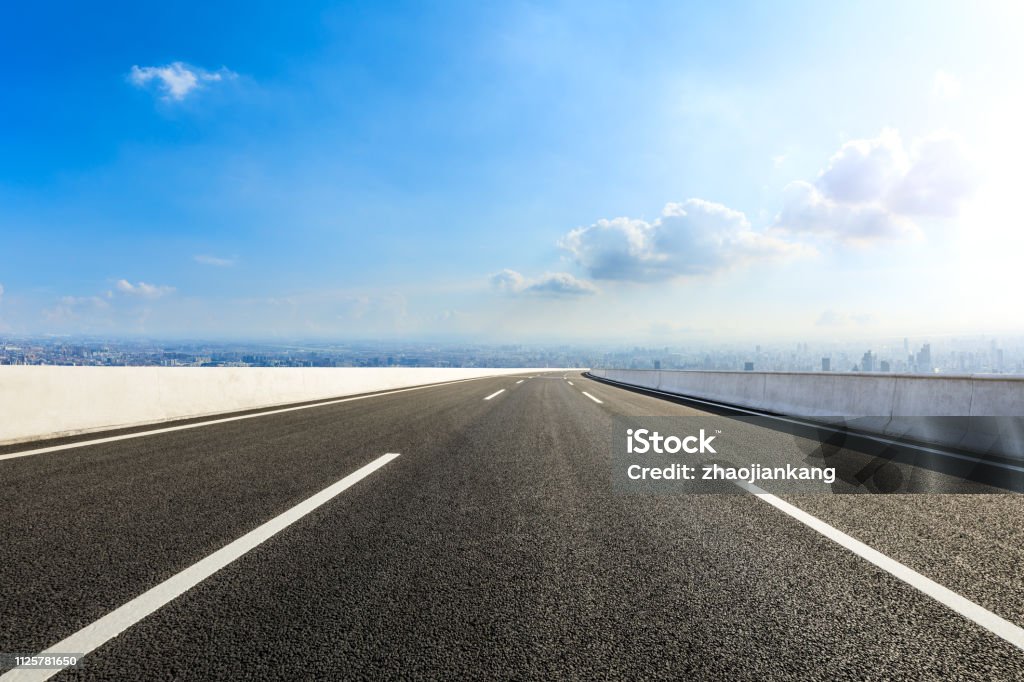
pixel 493 547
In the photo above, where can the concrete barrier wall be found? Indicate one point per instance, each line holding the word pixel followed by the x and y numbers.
pixel 981 413
pixel 40 402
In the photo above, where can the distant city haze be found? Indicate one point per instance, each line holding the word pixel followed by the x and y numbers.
pixel 956 355
pixel 819 179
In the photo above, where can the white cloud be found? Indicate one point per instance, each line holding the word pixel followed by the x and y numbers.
pixel 143 289
pixel 550 284
pixel 216 261
pixel 862 170
pixel 874 189
pixel 945 85
pixel 695 237
pixel 560 284
pixel 937 182
pixel 507 280
pixel 1 292
pixel 806 209
pixel 177 79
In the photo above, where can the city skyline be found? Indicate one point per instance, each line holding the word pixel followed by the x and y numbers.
pixel 495 173
pixel 942 356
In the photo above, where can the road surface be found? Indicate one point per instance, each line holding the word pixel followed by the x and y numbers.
pixel 484 541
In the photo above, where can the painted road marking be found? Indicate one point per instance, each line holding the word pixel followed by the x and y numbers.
pixel 494 394
pixel 571 384
pixel 975 613
pixel 169 429
pixel 521 381
pixel 96 634
pixel 592 398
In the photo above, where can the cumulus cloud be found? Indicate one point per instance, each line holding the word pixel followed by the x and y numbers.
pixel 695 237
pixel 507 280
pixel 177 79
pixel 561 284
pixel 937 181
pixel 142 289
pixel 550 284
pixel 215 261
pixel 874 189
pixel 807 209
pixel 862 170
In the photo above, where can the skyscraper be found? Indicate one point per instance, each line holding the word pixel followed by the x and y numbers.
pixel 924 359
pixel 867 363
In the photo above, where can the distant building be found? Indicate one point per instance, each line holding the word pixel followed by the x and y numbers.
pixel 657 364
pixel 867 363
pixel 883 366
pixel 826 364
pixel 748 367
pixel 924 359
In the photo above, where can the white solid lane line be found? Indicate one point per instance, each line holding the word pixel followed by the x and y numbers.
pixel 995 624
pixel 114 623
pixel 592 397
pixel 168 429
pixel 494 394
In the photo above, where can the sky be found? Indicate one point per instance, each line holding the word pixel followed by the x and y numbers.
pixel 510 172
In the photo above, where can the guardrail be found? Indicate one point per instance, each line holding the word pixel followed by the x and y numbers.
pixel 979 413
pixel 49 401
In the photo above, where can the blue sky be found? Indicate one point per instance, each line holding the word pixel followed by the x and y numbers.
pixel 511 171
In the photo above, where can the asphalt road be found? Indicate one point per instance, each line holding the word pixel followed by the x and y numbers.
pixel 492 547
